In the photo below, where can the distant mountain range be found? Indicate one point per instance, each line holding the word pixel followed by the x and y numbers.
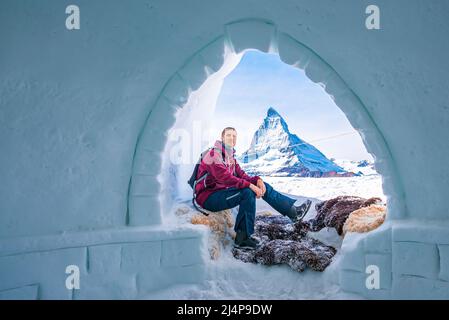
pixel 362 167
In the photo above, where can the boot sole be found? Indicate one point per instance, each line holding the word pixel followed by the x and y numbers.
pixel 244 247
pixel 309 203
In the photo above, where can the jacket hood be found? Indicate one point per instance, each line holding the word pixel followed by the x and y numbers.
pixel 220 145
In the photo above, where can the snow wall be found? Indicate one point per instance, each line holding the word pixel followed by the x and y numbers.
pixel 85 115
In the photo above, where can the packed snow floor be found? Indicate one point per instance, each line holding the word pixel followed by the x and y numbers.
pixel 229 278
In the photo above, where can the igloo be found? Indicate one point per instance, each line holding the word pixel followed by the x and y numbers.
pixel 85 115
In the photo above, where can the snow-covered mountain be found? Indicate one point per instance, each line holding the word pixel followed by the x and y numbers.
pixel 274 151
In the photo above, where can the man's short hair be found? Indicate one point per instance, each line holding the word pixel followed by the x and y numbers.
pixel 227 128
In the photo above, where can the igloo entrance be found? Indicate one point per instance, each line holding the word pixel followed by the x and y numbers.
pixel 187 92
pixel 145 187
pixel 83 135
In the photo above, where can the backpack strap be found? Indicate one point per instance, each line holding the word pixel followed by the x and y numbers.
pixel 196 207
pixel 203 177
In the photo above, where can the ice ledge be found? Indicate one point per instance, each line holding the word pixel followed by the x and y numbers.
pixel 407 230
pixel 13 246
pixel 425 231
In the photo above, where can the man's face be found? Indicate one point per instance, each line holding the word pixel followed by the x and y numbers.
pixel 230 138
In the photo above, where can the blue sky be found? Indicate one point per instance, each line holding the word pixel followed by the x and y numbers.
pixel 262 80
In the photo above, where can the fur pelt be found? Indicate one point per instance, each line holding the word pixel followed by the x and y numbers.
pixel 220 224
pixel 333 213
pixel 365 219
pixel 282 242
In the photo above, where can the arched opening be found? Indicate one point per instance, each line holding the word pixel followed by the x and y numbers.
pixel 188 92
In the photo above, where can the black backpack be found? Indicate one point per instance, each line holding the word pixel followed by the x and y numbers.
pixel 193 180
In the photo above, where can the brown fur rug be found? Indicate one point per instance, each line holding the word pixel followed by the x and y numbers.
pixel 333 213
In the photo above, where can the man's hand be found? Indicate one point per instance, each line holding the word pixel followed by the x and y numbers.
pixel 261 186
pixel 256 190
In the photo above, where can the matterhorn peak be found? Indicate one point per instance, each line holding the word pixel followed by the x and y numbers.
pixel 277 152
pixel 272 112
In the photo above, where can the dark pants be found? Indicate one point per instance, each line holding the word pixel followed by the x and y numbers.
pixel 246 200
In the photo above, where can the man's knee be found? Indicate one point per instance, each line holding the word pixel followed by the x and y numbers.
pixel 248 194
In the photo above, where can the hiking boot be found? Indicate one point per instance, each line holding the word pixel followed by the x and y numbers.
pixel 245 242
pixel 297 213
pixel 256 240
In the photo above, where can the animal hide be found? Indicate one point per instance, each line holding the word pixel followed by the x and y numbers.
pixel 365 219
pixel 220 223
pixel 282 242
pixel 333 213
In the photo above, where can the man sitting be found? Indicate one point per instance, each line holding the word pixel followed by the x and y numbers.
pixel 227 186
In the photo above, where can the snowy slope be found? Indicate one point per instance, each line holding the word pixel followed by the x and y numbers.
pixel 365 186
pixel 274 151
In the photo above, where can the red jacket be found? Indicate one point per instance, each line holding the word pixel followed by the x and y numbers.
pixel 221 175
